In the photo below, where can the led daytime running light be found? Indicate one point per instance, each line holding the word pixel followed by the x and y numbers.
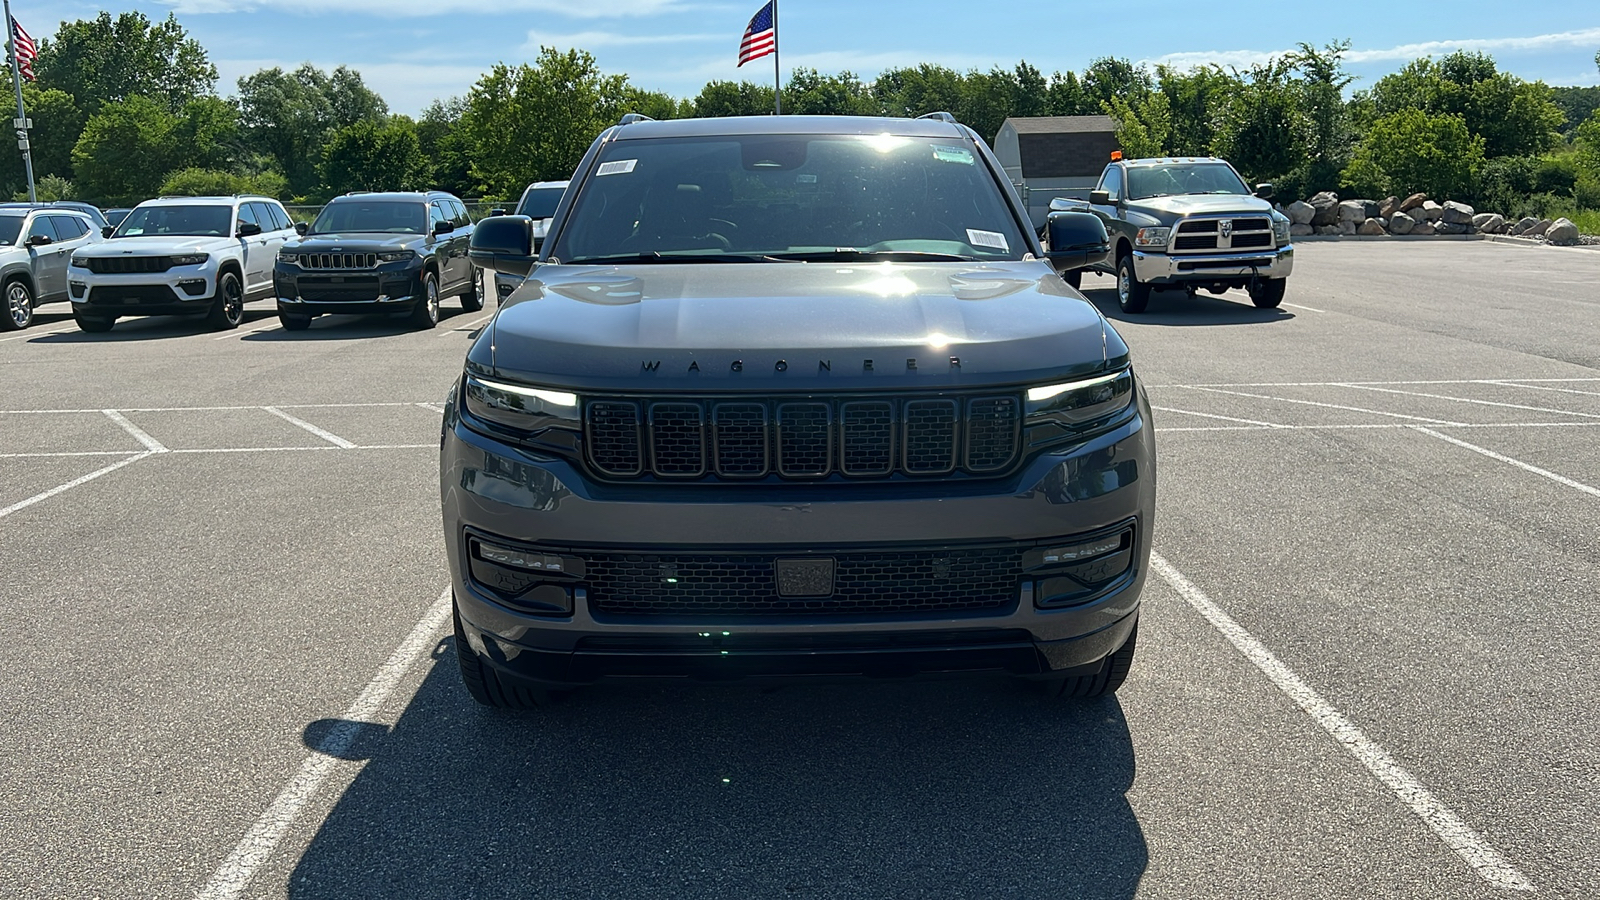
pixel 1038 394
pixel 554 398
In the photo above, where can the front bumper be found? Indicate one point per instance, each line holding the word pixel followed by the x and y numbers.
pixel 389 288
pixel 1163 268
pixel 181 290
pixel 548 505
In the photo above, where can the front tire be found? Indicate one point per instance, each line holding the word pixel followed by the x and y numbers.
pixel 94 324
pixel 227 306
pixel 1113 672
pixel 426 313
pixel 1267 293
pixel 485 685
pixel 472 300
pixel 1132 295
pixel 19 306
pixel 292 322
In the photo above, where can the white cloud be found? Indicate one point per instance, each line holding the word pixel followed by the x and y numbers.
pixel 1242 59
pixel 586 40
pixel 419 8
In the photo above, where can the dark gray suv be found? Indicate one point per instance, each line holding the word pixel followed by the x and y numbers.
pixel 791 397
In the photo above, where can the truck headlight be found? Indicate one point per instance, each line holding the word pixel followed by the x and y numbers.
pixel 1280 231
pixel 526 410
pixel 1074 403
pixel 191 259
pixel 1152 237
pixel 396 255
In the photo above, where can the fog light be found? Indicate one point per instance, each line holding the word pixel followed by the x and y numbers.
pixel 519 559
pixel 1077 573
pixel 194 287
pixel 1087 550
pixel 77 288
pixel 526 579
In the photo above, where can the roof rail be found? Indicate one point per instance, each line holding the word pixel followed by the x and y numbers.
pixel 630 118
pixel 941 116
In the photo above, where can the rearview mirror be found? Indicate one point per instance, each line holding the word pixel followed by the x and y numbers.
pixel 1100 198
pixel 503 244
pixel 1077 240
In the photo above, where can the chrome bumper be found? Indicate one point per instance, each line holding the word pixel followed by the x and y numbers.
pixel 1161 268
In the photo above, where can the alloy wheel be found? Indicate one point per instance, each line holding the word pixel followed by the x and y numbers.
pixel 19 304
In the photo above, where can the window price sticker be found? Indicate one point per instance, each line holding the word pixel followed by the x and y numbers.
pixel 987 239
pixel 617 167
pixel 948 154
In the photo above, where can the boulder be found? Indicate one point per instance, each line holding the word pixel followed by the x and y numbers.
pixel 1458 213
pixel 1371 226
pixel 1326 229
pixel 1452 227
pixel 1372 208
pixel 1489 223
pixel 1300 229
pixel 1562 231
pixel 1431 211
pixel 1424 227
pixel 1352 211
pixel 1388 207
pixel 1300 212
pixel 1524 225
pixel 1414 201
pixel 1539 229
pixel 1401 223
pixel 1327 208
pixel 1346 226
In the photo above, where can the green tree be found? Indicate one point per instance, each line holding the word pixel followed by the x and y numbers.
pixel 1109 78
pixel 373 157
pixel 57 121
pixel 918 91
pixel 534 123
pixel 198 182
pixel 987 100
pixel 1066 97
pixel 811 93
pixel 291 115
pixel 1514 117
pixel 1329 134
pixel 207 135
pixel 1262 128
pixel 445 148
pixel 1412 151
pixel 105 60
pixel 1196 99
pixel 719 99
pixel 125 151
pixel 48 188
pixel 658 105
pixel 1144 125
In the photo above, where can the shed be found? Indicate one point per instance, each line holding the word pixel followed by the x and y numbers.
pixel 1055 156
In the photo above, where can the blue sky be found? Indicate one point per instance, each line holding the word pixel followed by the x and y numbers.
pixel 412 51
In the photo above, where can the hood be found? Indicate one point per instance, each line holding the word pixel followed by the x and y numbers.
pixel 792 327
pixel 151 245
pixel 352 240
pixel 1204 204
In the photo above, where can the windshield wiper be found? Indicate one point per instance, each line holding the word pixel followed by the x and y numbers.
pixel 851 254
pixel 655 256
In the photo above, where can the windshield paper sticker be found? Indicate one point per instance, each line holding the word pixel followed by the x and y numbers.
pixel 953 154
pixel 617 167
pixel 987 239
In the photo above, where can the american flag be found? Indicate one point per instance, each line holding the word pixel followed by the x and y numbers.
pixel 761 37
pixel 26 50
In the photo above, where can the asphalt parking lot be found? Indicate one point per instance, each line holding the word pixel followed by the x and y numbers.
pixel 1367 667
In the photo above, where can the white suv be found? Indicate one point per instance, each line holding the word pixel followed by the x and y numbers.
pixel 182 256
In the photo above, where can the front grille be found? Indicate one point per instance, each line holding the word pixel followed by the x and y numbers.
pixel 338 260
pixel 131 294
pixel 128 265
pixel 1244 241
pixel 876 582
pixel 350 289
pixel 857 437
pixel 1206 235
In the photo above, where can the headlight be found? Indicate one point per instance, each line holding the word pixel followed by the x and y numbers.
pixel 1076 402
pixel 1280 230
pixel 528 410
pixel 191 259
pixel 77 262
pixel 289 256
pixel 1152 237
pixel 396 255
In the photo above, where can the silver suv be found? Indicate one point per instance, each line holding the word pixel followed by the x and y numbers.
pixel 182 256
pixel 35 243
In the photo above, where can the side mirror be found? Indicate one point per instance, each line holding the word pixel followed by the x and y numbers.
pixel 503 244
pixel 1077 240
pixel 1264 190
pixel 498 211
pixel 249 229
pixel 301 228
pixel 443 228
pixel 1100 198
pixel 106 230
pixel 39 240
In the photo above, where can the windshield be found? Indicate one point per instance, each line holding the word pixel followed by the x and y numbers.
pixel 1186 178
pixel 540 203
pixel 10 227
pixel 379 216
pixel 754 197
pixel 196 221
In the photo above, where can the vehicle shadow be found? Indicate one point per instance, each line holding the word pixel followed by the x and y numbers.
pixel 882 789
pixel 348 327
pixel 1171 307
pixel 149 328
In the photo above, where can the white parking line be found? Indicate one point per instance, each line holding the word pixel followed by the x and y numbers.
pixel 1349 383
pixel 68 453
pixel 1361 409
pixel 1306 308
pixel 150 443
pixel 256 847
pixel 236 334
pixel 1390 425
pixel 145 409
pixel 470 326
pixel 1190 412
pixel 328 436
pixel 1540 387
pixel 24 504
pixel 1381 390
pixel 433 406
pixel 1472 847
pixel 1546 473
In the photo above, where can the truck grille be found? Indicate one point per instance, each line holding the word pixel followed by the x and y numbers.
pixel 864 582
pixel 1205 235
pixel 338 260
pixel 128 265
pixel 737 438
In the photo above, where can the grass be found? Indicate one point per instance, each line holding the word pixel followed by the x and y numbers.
pixel 1587 220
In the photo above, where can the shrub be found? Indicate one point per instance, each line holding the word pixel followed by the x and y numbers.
pixel 1412 151
pixel 210 182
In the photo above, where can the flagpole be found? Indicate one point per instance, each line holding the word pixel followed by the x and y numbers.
pixel 777 74
pixel 22 114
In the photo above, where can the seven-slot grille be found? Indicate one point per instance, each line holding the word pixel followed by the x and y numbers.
pixel 338 260
pixel 811 437
pixel 1199 235
pixel 128 265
